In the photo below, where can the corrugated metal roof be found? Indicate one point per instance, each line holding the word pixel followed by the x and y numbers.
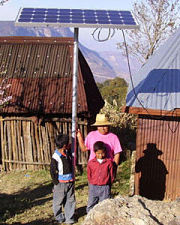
pixel 40 73
pixel 157 84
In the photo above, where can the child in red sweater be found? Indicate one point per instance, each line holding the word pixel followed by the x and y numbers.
pixel 100 176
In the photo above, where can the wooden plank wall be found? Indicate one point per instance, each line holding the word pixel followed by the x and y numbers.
pixel 29 145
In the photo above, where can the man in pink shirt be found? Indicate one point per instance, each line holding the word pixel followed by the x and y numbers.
pixel 102 133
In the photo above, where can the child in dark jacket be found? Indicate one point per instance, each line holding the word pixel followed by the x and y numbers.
pixel 100 176
pixel 61 170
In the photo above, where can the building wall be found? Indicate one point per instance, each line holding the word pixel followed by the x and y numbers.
pixel 158 157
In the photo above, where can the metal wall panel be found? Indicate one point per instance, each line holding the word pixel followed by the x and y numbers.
pixel 158 157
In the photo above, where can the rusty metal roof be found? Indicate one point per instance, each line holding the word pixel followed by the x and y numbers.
pixel 39 71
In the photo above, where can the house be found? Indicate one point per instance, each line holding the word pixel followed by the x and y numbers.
pixel 154 95
pixel 38 72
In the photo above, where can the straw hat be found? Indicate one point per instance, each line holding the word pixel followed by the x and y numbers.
pixel 101 120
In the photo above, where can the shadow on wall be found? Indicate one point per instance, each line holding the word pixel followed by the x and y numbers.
pixel 153 173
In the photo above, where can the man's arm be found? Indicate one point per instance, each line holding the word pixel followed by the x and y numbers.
pixel 81 141
pixel 117 158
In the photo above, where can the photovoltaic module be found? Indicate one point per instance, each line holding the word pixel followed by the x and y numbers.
pixel 75 18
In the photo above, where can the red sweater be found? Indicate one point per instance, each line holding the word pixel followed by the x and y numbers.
pixel 100 173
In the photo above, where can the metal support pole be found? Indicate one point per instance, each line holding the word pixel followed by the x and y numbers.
pixel 74 93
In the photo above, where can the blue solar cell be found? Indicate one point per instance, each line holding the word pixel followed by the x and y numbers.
pixel 77 11
pixel 116 22
pixel 37 20
pixel 52 13
pixel 40 10
pixel 51 16
pixel 64 20
pixel 90 21
pixel 52 10
pixel 64 10
pixel 27 13
pixel 88 11
pixel 102 17
pixel 38 16
pixel 113 12
pixel 125 13
pixel 75 20
pixel 129 22
pixel 76 14
pixel 115 18
pixel 64 14
pixel 28 9
pixel 25 16
pixel 89 15
pixel 64 17
pixel 50 20
pixel 101 11
pixel 25 20
pixel 104 22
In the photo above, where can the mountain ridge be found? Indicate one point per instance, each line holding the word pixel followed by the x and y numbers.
pixel 104 65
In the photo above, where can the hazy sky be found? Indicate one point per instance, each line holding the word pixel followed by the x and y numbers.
pixel 10 9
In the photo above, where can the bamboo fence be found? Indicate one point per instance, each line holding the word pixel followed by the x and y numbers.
pixel 29 145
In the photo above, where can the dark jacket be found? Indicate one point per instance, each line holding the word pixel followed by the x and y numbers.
pixel 61 168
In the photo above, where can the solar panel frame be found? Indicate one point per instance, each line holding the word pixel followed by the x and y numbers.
pixel 75 18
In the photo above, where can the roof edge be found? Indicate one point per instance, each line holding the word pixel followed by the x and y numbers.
pixel 154 112
pixel 31 39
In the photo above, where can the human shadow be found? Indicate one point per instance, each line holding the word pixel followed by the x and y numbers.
pixel 80 212
pixel 13 204
pixel 153 173
pixel 48 221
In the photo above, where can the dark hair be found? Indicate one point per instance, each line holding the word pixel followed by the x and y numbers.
pixel 99 145
pixel 61 140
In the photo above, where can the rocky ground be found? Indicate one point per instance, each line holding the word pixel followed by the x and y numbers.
pixel 134 210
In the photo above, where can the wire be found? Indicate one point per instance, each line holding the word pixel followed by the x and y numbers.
pixel 129 69
pixel 98 32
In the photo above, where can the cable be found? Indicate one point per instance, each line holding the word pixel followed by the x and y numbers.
pixel 129 68
pixel 98 32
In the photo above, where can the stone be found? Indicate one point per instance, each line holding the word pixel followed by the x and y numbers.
pixel 135 210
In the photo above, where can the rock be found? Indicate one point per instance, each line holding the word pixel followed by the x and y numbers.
pixel 135 210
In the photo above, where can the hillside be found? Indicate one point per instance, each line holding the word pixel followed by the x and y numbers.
pixel 104 65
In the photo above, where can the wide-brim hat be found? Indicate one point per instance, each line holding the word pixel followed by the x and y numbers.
pixel 101 120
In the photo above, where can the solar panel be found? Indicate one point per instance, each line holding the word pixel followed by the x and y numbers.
pixel 75 18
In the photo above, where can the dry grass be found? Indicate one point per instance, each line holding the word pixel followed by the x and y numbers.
pixel 26 196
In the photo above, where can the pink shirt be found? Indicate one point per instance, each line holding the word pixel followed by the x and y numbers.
pixel 113 145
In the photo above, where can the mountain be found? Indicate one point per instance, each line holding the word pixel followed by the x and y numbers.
pixel 104 65
pixel 119 63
